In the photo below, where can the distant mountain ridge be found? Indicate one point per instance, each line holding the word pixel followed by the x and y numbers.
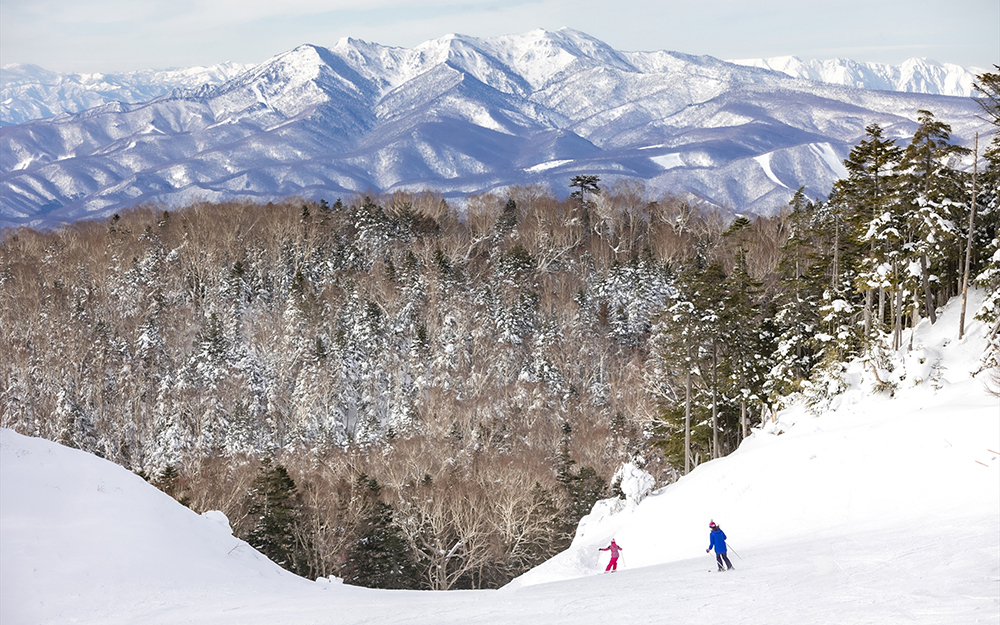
pixel 30 92
pixel 916 75
pixel 459 115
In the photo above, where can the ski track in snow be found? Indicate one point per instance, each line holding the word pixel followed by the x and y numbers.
pixel 547 165
pixel 882 511
pixel 764 160
pixel 825 151
pixel 668 161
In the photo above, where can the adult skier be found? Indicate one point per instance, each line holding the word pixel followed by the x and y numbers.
pixel 615 550
pixel 717 541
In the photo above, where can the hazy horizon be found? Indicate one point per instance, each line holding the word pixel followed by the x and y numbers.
pixel 112 36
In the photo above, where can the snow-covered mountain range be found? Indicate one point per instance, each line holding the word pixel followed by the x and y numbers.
pixel 911 76
pixel 30 92
pixel 459 115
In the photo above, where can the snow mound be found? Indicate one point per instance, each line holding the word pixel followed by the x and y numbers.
pixel 634 483
pixel 80 534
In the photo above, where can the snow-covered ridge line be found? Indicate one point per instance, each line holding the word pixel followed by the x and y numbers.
pixel 30 92
pixel 917 75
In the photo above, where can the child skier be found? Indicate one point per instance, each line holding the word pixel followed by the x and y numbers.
pixel 717 540
pixel 614 549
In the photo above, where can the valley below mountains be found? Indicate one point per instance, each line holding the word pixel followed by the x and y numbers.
pixel 458 115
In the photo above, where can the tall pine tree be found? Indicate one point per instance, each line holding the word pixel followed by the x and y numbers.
pixel 274 506
pixel 935 199
pixel 870 197
pixel 380 556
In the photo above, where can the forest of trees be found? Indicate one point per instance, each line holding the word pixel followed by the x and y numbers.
pixel 411 394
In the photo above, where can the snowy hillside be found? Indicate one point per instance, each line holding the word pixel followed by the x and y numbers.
pixel 880 510
pixel 911 76
pixel 458 115
pixel 891 473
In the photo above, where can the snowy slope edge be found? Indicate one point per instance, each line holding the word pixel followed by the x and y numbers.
pixel 928 455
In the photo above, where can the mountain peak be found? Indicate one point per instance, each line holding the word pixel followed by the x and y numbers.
pixel 304 60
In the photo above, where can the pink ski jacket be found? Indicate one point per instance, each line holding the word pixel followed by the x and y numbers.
pixel 614 548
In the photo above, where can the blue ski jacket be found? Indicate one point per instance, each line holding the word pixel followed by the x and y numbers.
pixel 717 540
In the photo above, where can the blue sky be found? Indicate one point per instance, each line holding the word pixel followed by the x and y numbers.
pixel 120 35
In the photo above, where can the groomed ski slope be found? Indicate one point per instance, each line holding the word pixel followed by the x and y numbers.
pixel 884 510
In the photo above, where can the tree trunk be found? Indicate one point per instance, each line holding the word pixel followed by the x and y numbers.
pixel 869 296
pixel 928 297
pixel 880 325
pixel 898 320
pixel 687 417
pixel 968 246
pixel 743 406
pixel 715 401
pixel 835 280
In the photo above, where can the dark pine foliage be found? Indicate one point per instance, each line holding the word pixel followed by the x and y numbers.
pixel 380 556
pixel 273 503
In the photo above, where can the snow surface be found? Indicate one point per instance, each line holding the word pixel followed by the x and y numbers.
pixel 880 510
pixel 765 163
pixel 829 156
pixel 547 165
pixel 668 161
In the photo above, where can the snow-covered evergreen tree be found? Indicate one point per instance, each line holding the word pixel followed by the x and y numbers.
pixel 936 202
pixel 869 194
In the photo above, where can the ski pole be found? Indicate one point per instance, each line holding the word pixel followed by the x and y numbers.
pixel 734 551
